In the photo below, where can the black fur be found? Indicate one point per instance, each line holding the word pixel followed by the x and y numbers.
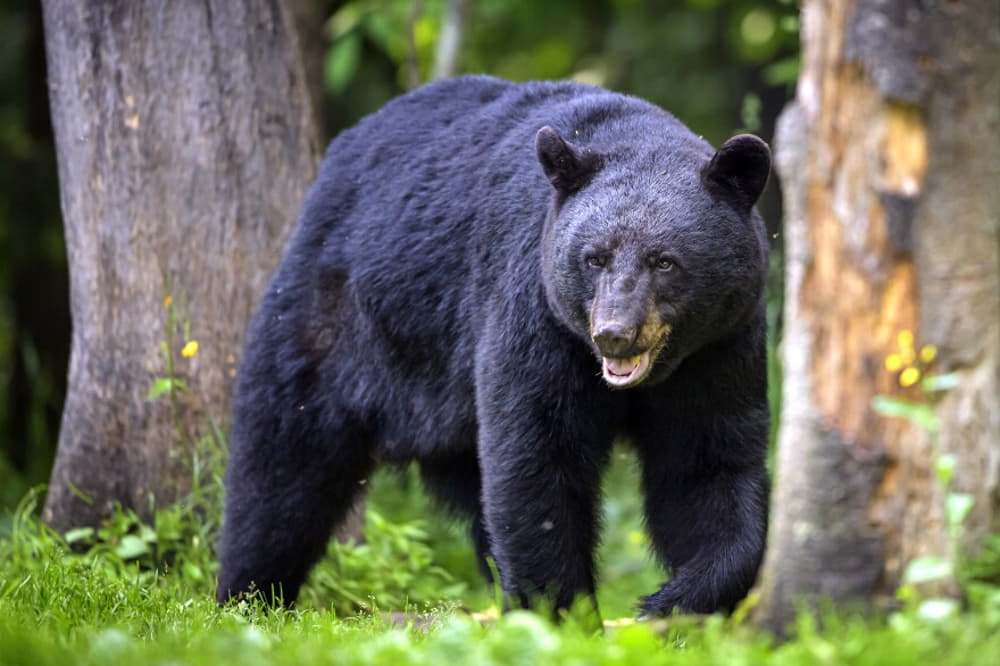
pixel 437 302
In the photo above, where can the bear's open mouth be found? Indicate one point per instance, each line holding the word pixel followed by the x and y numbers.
pixel 622 372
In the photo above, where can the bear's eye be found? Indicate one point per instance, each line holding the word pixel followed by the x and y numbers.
pixel 597 260
pixel 664 263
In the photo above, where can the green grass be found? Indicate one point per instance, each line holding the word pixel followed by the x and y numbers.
pixel 142 594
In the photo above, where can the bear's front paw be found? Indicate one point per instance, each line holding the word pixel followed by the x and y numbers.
pixel 659 603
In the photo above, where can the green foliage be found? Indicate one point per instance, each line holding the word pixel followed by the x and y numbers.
pixel 58 607
pixel 394 568
pixel 985 567
pixel 135 593
pixel 166 385
pixel 397 496
pixel 414 556
pixel 696 58
pixel 626 566
pixel 921 414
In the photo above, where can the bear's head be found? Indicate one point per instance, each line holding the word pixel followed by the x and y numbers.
pixel 651 253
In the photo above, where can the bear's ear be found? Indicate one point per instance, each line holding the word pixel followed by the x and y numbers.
pixel 740 167
pixel 567 167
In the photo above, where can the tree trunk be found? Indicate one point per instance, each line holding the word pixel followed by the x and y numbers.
pixel 186 140
pixel 450 42
pixel 309 18
pixel 892 237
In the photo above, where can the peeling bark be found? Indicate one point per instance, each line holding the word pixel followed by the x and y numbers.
pixel 893 225
pixel 186 140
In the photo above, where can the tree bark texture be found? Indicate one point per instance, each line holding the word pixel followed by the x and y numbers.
pixel 892 226
pixel 186 141
pixel 309 18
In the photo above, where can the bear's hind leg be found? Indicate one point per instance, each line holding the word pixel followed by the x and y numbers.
pixel 288 486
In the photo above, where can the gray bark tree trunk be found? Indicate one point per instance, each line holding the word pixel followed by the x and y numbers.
pixel 893 243
pixel 186 140
pixel 450 41
pixel 309 19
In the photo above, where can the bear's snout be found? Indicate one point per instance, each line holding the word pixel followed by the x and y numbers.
pixel 615 339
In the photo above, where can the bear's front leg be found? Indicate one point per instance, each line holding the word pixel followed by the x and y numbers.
pixel 706 510
pixel 544 440
pixel 540 506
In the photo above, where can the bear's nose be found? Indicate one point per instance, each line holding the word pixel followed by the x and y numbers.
pixel 615 339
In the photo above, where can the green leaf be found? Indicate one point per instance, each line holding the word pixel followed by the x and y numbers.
pixel 944 468
pixel 79 534
pixel 935 610
pixel 926 568
pixel 921 415
pixel 131 547
pixel 192 571
pixel 147 534
pixel 342 62
pixel 944 382
pixel 957 507
pixel 783 72
pixel 165 385
pixel 159 387
pixel 344 20
pixel 750 113
pixel 382 31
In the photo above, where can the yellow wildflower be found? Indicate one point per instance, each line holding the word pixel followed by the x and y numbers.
pixel 893 362
pixel 168 301
pixel 909 377
pixel 190 349
pixel 928 353
pixel 905 339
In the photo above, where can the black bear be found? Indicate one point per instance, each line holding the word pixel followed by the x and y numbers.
pixel 496 281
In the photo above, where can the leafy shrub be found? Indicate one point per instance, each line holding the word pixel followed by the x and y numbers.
pixel 394 568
